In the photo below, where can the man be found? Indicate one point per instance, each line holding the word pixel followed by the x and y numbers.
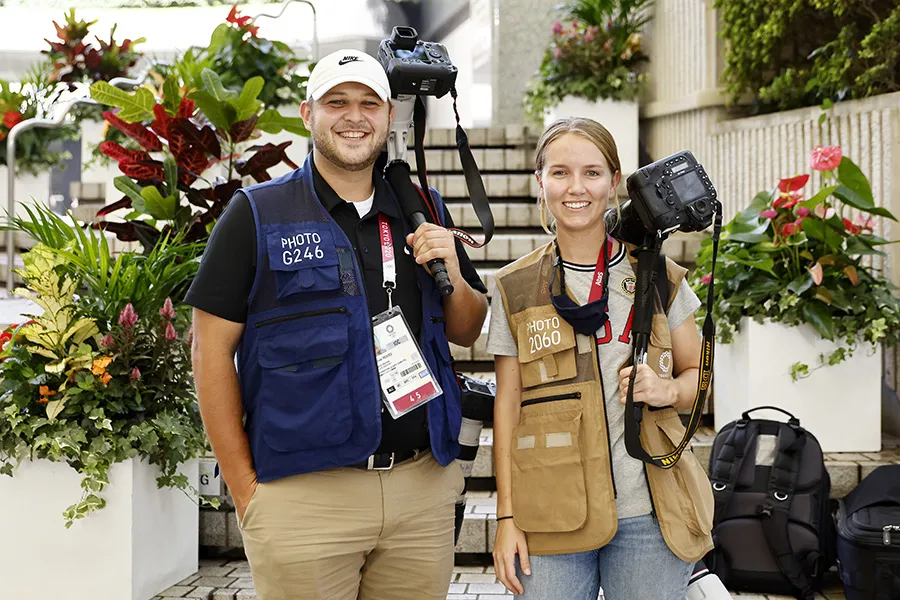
pixel 336 498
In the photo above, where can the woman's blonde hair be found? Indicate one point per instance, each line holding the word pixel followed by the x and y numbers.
pixel 589 129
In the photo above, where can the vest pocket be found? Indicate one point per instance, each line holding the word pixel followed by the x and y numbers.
pixel 659 350
pixel 304 259
pixel 305 400
pixel 546 346
pixel 692 490
pixel 548 482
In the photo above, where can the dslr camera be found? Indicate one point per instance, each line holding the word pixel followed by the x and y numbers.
pixel 415 67
pixel 671 194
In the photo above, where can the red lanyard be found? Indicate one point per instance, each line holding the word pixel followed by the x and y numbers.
pixel 599 281
pixel 388 262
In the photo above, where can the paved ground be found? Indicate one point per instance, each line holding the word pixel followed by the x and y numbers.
pixel 230 580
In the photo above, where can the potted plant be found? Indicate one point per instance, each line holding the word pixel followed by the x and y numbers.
pixel 189 148
pixel 801 313
pixel 592 68
pixel 99 428
pixel 36 152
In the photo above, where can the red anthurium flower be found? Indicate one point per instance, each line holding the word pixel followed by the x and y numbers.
pixel 235 17
pixel 793 183
pixel 802 212
pixel 706 278
pixel 817 273
pixel 850 227
pixel 769 213
pixel 11 118
pixel 788 229
pixel 254 30
pixel 867 225
pixel 825 158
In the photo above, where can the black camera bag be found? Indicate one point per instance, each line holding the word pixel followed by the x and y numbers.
pixel 773 528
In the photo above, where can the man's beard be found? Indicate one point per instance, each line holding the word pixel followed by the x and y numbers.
pixel 327 148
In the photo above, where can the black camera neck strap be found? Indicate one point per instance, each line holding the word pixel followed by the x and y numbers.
pixel 642 323
pixel 474 183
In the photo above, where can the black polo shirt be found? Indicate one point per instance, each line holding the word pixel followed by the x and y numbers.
pixel 223 283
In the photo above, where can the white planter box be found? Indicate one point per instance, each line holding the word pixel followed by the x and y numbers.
pixel 620 118
pixel 29 190
pixel 144 541
pixel 840 404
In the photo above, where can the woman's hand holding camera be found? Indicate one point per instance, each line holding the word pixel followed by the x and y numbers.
pixel 648 387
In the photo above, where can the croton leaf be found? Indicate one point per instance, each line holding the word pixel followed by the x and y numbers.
pixel 266 156
pixel 171 96
pixel 241 130
pixel 125 202
pixel 136 106
pixel 212 109
pixel 246 104
pixel 204 137
pixel 121 154
pixel 186 108
pixel 135 131
pixel 148 170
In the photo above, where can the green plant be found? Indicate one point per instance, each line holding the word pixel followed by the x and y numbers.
pixel 90 387
pixel 793 260
pixel 791 53
pixel 206 129
pixel 33 99
pixel 597 54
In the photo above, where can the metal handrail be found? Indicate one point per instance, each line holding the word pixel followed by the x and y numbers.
pixel 315 49
pixel 47 123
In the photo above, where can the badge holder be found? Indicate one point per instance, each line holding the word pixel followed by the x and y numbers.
pixel 407 381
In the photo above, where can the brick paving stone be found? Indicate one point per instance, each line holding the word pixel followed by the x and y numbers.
pixel 187 581
pixel 216 582
pixel 472 578
pixel 493 597
pixel 238 564
pixel 865 468
pixel 486 588
pixel 241 572
pixel 245 595
pixel 176 591
pixel 220 571
pixel 456 588
pixel 243 583
pixel 213 562
pixel 200 593
pixel 469 569
pixel 462 597
pixel 224 594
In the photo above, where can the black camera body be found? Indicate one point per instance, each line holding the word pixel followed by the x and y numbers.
pixel 415 67
pixel 672 194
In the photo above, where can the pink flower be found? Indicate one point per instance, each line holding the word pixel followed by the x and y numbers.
pixel 769 213
pixel 557 52
pixel 128 317
pixel 817 273
pixel 590 35
pixel 850 227
pixel 167 310
pixel 825 159
pixel 824 212
pixel 107 341
pixel 557 28
pixel 706 278
pixel 792 183
pixel 608 45
pixel 171 334
pixel 135 374
pixel 865 224
pixel 802 212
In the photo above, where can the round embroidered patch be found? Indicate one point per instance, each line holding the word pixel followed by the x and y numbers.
pixel 628 285
pixel 665 361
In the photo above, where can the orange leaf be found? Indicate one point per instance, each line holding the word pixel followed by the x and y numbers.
pixel 852 275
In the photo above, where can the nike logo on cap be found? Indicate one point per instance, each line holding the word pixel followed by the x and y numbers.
pixel 348 59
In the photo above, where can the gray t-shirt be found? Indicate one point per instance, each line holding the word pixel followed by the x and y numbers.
pixel 633 497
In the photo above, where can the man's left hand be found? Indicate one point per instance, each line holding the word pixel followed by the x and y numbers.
pixel 431 241
pixel 648 387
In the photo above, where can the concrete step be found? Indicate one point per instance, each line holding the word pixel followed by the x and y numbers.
pixel 489 160
pixel 488 137
pixel 497 186
pixel 507 247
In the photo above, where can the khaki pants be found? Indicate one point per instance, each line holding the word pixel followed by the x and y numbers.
pixel 350 534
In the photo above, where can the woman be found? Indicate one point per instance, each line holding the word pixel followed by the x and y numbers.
pixel 576 511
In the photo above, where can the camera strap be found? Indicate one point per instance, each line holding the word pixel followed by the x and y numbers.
pixel 642 323
pixel 474 183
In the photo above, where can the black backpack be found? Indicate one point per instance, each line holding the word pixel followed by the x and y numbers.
pixel 773 528
pixel 868 543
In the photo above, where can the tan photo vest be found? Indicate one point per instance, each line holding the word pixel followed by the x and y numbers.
pixel 562 481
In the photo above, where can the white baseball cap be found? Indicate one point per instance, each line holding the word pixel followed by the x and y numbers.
pixel 347 65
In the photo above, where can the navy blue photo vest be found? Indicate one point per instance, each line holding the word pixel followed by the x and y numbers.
pixel 306 360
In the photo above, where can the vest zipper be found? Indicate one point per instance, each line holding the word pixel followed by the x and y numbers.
pixel 612 474
pixel 311 313
pixel 557 398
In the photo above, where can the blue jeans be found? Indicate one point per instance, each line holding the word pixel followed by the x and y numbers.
pixel 636 565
